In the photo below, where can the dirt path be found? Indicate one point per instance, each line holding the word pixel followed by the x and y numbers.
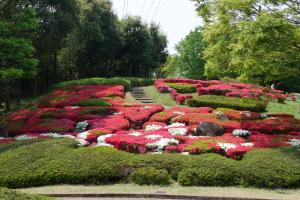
pixel 171 190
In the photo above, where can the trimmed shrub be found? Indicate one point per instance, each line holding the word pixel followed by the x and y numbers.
pixel 203 176
pixel 181 88
pixel 150 176
pixel 60 161
pixel 271 168
pixel 228 102
pixel 7 194
pixel 94 102
pixel 127 82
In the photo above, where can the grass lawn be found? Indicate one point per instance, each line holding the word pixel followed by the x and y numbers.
pixel 129 98
pixel 169 190
pixel 289 107
pixel 161 98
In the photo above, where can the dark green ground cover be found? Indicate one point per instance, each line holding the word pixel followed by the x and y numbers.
pixel 60 161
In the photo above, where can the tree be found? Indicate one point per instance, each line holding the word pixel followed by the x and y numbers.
pixel 16 50
pixel 93 45
pixel 190 55
pixel 252 40
pixel 158 48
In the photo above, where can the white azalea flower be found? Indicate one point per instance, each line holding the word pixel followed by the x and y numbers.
pixel 175 125
pixel 185 153
pixel 25 137
pixel 178 131
pixel 118 113
pixel 56 135
pixel 226 146
pixel 101 139
pixel 158 152
pixel 83 135
pixel 82 142
pixel 179 113
pixel 136 134
pixel 153 127
pixel 264 115
pixel 248 144
pixel 147 107
pixel 247 113
pixel 162 143
pixel 294 142
pixel 103 145
pixel 153 137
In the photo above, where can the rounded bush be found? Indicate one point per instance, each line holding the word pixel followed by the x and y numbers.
pixel 207 177
pixel 150 176
pixel 271 168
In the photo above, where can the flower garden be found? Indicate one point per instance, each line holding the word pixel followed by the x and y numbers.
pixel 98 115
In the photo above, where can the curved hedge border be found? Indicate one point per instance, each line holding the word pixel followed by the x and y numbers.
pixel 60 161
pixel 127 82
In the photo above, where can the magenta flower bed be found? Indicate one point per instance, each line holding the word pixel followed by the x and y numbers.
pixel 215 87
pixel 139 128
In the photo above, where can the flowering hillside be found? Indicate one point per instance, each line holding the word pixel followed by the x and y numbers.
pixel 98 115
pixel 181 89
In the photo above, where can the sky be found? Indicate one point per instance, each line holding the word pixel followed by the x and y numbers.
pixel 176 17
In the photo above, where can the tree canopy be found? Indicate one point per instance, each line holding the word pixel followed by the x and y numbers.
pixel 252 40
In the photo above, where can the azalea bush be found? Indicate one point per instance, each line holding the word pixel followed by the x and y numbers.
pixel 178 87
pixel 98 115
pixel 150 176
pixel 65 163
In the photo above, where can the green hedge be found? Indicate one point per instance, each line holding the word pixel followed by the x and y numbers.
pixel 60 161
pixel 214 101
pixel 94 102
pixel 184 89
pixel 6 194
pixel 127 82
pixel 150 176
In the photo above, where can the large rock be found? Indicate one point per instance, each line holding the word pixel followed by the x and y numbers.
pixel 209 129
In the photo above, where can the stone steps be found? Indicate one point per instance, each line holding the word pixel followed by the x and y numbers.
pixel 139 94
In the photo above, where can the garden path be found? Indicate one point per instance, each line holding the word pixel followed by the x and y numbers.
pixel 139 94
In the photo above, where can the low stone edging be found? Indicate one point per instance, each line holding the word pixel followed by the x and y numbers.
pixel 147 196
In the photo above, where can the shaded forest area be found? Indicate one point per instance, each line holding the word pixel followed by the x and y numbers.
pixel 47 41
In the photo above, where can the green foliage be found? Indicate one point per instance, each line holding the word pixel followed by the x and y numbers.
pixel 288 107
pixel 94 102
pixel 144 48
pixel 183 88
pixel 203 176
pixel 161 98
pixel 189 62
pixel 28 164
pixel 13 195
pixel 127 82
pixel 271 168
pixel 16 52
pixel 150 176
pixel 214 101
pixel 252 40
